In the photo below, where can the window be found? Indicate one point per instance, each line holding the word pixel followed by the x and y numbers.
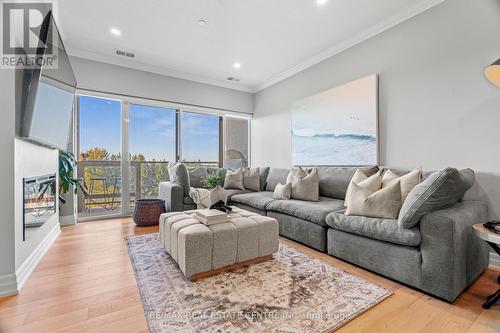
pixel 236 134
pixel 200 139
pixel 99 156
pixel 124 145
pixel 152 144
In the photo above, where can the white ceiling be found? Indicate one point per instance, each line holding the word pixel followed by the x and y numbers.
pixel 272 39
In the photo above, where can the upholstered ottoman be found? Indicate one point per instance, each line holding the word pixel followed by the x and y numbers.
pixel 201 250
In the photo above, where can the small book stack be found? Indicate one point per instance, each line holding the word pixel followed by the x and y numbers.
pixel 211 216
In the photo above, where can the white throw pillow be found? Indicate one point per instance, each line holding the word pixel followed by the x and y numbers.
pixel 251 179
pixel 385 203
pixel 234 180
pixel 374 183
pixel 306 186
pixel 408 181
pixel 283 192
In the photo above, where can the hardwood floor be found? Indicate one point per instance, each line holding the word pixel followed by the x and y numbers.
pixel 85 283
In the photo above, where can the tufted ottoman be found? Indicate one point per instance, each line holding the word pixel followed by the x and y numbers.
pixel 202 251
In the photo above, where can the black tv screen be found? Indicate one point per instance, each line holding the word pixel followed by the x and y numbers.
pixel 50 91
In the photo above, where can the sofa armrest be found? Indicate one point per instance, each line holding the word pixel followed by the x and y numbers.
pixel 452 256
pixel 173 194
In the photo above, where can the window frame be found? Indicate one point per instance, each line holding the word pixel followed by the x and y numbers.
pixel 125 135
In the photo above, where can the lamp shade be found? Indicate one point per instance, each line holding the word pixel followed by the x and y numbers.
pixel 492 73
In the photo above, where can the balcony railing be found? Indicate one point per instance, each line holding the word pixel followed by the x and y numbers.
pixel 103 182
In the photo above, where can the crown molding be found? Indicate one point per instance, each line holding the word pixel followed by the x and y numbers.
pixel 377 29
pixel 137 65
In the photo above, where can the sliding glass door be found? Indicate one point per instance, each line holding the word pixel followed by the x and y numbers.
pixel 99 156
pixel 123 150
pixel 152 144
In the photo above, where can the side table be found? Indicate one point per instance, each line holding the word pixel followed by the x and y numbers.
pixel 493 239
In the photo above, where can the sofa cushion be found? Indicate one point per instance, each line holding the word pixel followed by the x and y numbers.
pixel 234 180
pixel 467 177
pixel 257 200
pixel 177 172
pixel 384 203
pixel 276 175
pixel 232 192
pixel 333 181
pixel 437 192
pixel 251 179
pixel 381 229
pixel 305 186
pixel 408 181
pixel 315 212
pixel 196 176
pixel 283 192
pixel 263 173
pixel 374 183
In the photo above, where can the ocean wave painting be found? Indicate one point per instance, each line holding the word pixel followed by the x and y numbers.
pixel 337 126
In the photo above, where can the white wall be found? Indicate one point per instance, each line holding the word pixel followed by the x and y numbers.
pixel 436 107
pixel 123 80
pixel 31 160
pixel 7 133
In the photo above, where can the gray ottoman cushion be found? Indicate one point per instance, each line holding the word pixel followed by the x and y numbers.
pixel 175 228
pixel 199 248
pixel 257 200
pixel 195 249
pixel 311 211
pixel 381 229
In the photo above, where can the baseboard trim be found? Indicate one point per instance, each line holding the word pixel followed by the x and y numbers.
pixel 67 220
pixel 8 285
pixel 29 265
pixel 494 260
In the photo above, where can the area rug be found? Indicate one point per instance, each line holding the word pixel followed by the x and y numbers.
pixel 291 293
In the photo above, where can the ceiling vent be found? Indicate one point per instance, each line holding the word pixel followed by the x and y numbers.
pixel 125 54
pixel 234 79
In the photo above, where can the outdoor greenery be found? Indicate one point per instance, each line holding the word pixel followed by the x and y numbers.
pixel 214 179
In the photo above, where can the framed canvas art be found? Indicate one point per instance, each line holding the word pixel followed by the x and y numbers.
pixel 338 126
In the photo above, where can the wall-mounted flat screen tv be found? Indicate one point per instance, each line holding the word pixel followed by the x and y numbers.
pixel 50 91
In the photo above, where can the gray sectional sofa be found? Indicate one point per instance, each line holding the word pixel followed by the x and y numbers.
pixel 439 256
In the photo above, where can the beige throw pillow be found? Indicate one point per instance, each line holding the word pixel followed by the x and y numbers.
pixel 408 181
pixel 251 179
pixel 283 192
pixel 374 182
pixel 234 180
pixel 385 203
pixel 306 186
pixel 295 174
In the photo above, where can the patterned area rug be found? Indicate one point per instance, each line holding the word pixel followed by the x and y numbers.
pixel 292 293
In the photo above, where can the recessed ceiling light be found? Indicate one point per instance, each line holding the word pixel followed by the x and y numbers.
pixel 202 22
pixel 237 65
pixel 115 32
pixel 321 2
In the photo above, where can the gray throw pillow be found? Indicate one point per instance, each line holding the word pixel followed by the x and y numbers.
pixel 251 179
pixel 234 180
pixel 282 192
pixel 306 186
pixel 437 192
pixel 178 174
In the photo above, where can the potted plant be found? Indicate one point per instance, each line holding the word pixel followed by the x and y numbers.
pixel 214 179
pixel 67 182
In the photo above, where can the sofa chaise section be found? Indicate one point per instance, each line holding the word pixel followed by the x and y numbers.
pixel 441 256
